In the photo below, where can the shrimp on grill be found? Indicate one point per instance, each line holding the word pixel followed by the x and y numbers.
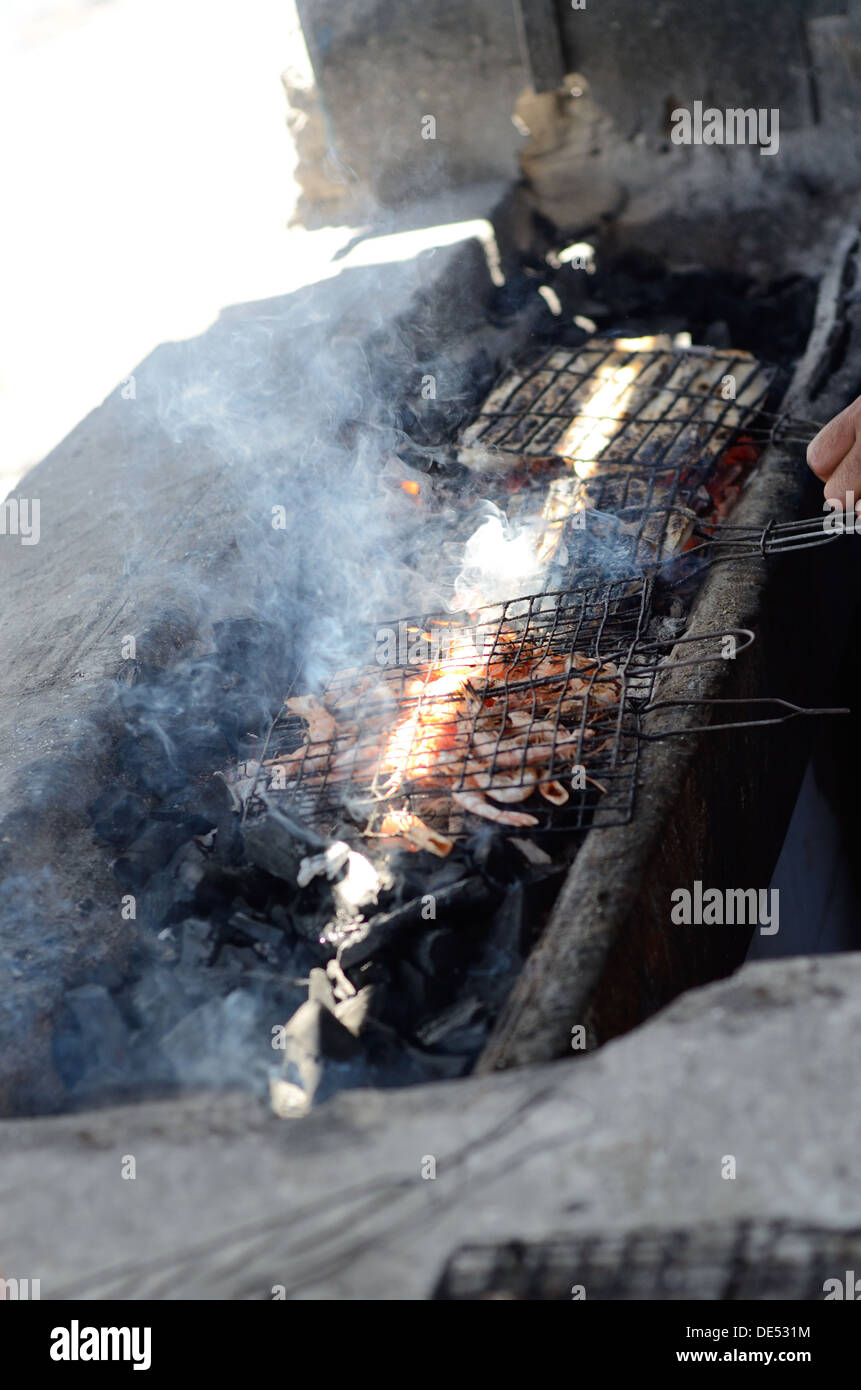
pixel 489 724
pixel 321 724
pixel 403 824
pixel 312 756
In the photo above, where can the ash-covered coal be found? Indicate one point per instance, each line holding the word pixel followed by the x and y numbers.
pixel 268 955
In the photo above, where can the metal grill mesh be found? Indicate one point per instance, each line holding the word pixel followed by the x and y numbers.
pixel 635 436
pixel 526 713
pixel 535 700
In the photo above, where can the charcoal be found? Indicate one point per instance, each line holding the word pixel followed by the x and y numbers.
pixel 404 997
pixel 222 890
pixel 373 972
pixel 380 933
pixel 492 856
pixel 151 851
pixel 118 817
pixel 279 998
pixel 91 1042
pixel 459 1030
pixel 272 844
pixel 143 755
pixel 540 894
pixel 223 1042
pixel 279 915
pixel 438 952
pixel 442 875
pixel 265 951
pixel 506 927
pixel 508 300
pixel 160 999
pixel 172 891
pixel 197 945
pixel 438 1065
pixel 417 874
pixel 302 834
pixel 462 900
pixel 215 799
pixel 188 823
pixel 267 941
pixel 278 843
pixel 389 1059
pixel 237 959
pixel 410 874
pixel 531 852
pixel 311 928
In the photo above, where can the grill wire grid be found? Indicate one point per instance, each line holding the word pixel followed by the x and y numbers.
pixel 634 454
pixel 572 664
pixel 582 715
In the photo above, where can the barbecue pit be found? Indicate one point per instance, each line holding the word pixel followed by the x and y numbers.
pixel 578 411
pixel 356 842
